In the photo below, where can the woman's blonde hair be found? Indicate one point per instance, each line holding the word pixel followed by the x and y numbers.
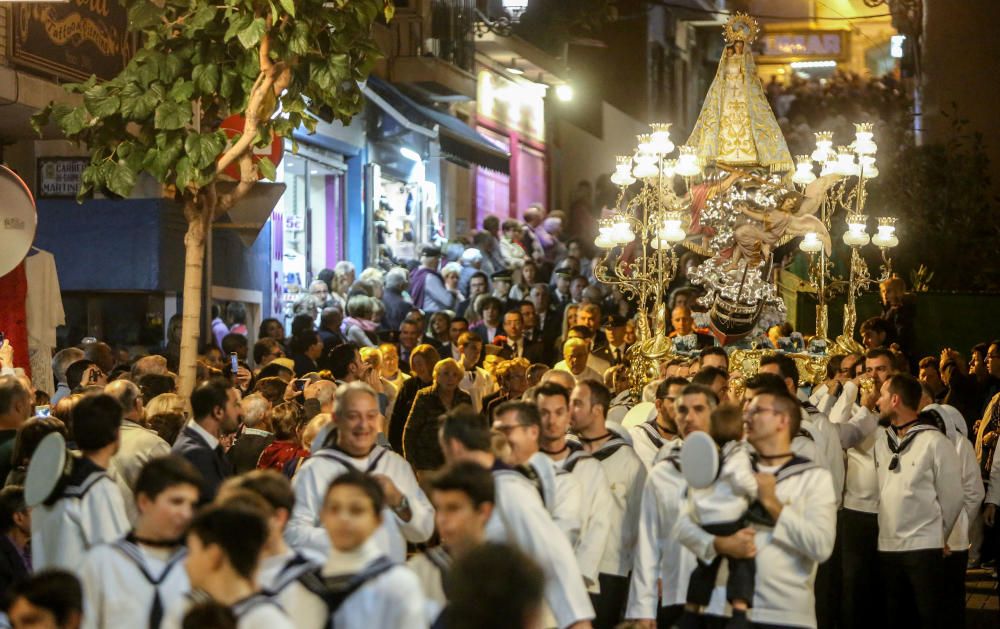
pixel 168 403
pixel 441 365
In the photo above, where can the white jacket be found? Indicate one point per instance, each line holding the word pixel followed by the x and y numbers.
pixel 646 441
pixel 91 512
pixel 829 452
pixel 860 479
pixel 626 477
pixel 787 555
pixel 520 518
pixel 920 500
pixel 596 515
pixel 562 495
pixel 304 531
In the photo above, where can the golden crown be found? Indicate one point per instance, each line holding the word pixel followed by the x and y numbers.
pixel 741 27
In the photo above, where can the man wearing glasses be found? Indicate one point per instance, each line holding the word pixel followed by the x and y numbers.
pixel 797 495
pixel 920 497
pixel 649 437
pixel 521 423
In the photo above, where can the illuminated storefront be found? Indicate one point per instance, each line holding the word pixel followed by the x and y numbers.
pixel 511 114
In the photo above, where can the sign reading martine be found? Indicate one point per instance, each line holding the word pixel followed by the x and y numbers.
pixel 59 177
pixel 70 40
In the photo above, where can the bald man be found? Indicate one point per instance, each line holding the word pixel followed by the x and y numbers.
pixel 138 444
pixel 683 324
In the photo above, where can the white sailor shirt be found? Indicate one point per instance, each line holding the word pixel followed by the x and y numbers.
pixel 126 584
pixel 561 493
pixel 431 568
pixel 788 553
pixel 389 594
pixel 626 478
pixel 257 611
pixel 91 511
pixel 596 516
pixel 304 531
pixel 921 496
pixel 520 518
pixel 646 441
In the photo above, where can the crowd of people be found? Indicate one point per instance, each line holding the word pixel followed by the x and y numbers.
pixel 458 445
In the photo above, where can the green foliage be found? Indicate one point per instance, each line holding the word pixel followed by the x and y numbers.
pixel 197 65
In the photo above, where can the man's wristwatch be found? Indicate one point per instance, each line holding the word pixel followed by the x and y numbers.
pixel 402 507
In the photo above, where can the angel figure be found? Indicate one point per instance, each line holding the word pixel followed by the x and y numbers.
pixel 793 216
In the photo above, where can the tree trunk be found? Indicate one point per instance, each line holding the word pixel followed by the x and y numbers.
pixel 194 263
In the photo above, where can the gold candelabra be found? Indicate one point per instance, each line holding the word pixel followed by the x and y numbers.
pixel 855 164
pixel 639 239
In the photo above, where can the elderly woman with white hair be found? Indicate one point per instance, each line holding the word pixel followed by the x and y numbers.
pixel 420 434
pixel 396 301
pixel 359 325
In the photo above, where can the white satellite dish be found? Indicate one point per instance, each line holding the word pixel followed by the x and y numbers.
pixel 18 220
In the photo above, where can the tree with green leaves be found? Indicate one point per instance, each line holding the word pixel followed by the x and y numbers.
pixel 278 63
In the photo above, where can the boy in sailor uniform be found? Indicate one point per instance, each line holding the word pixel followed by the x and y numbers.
pixel 562 494
pixel 568 455
pixel 280 565
pixel 721 509
pixel 90 509
pixel 520 518
pixel 408 515
pixel 798 501
pixel 463 499
pixel 224 544
pixel 626 476
pixel 920 498
pixel 132 581
pixel 359 586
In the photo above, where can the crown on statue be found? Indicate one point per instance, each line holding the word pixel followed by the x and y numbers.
pixel 741 27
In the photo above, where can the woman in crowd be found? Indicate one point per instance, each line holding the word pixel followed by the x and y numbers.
pixel 420 435
pixel 359 325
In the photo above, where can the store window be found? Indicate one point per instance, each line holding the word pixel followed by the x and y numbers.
pixel 312 222
pixel 407 213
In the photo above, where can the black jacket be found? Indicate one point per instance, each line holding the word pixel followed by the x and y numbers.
pixel 213 464
pixel 12 569
pixel 245 452
pixel 404 402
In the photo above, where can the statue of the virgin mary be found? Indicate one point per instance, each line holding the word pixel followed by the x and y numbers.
pixel 736 125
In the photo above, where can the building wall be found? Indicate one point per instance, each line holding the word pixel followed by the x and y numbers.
pixel 583 156
pixel 962 73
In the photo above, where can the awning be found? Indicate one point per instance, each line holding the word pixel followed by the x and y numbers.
pixel 457 139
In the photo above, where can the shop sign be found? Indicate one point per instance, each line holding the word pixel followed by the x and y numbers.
pixel 233 126
pixel 803 45
pixel 59 177
pixel 516 105
pixel 70 40
pixel 293 223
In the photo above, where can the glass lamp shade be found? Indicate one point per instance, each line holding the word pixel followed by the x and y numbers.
pixel 864 143
pixel 866 167
pixel 824 146
pixel 811 243
pixel 886 236
pixel 660 138
pixel 645 165
pixel 622 178
pixel 669 168
pixel 673 228
pixel 856 234
pixel 845 163
pixel 622 232
pixel 645 143
pixel 829 168
pixel 604 241
pixel 803 171
pixel 687 163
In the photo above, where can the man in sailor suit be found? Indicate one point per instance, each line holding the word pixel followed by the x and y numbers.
pixel 798 523
pixel 520 518
pixel 90 509
pixel 409 516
